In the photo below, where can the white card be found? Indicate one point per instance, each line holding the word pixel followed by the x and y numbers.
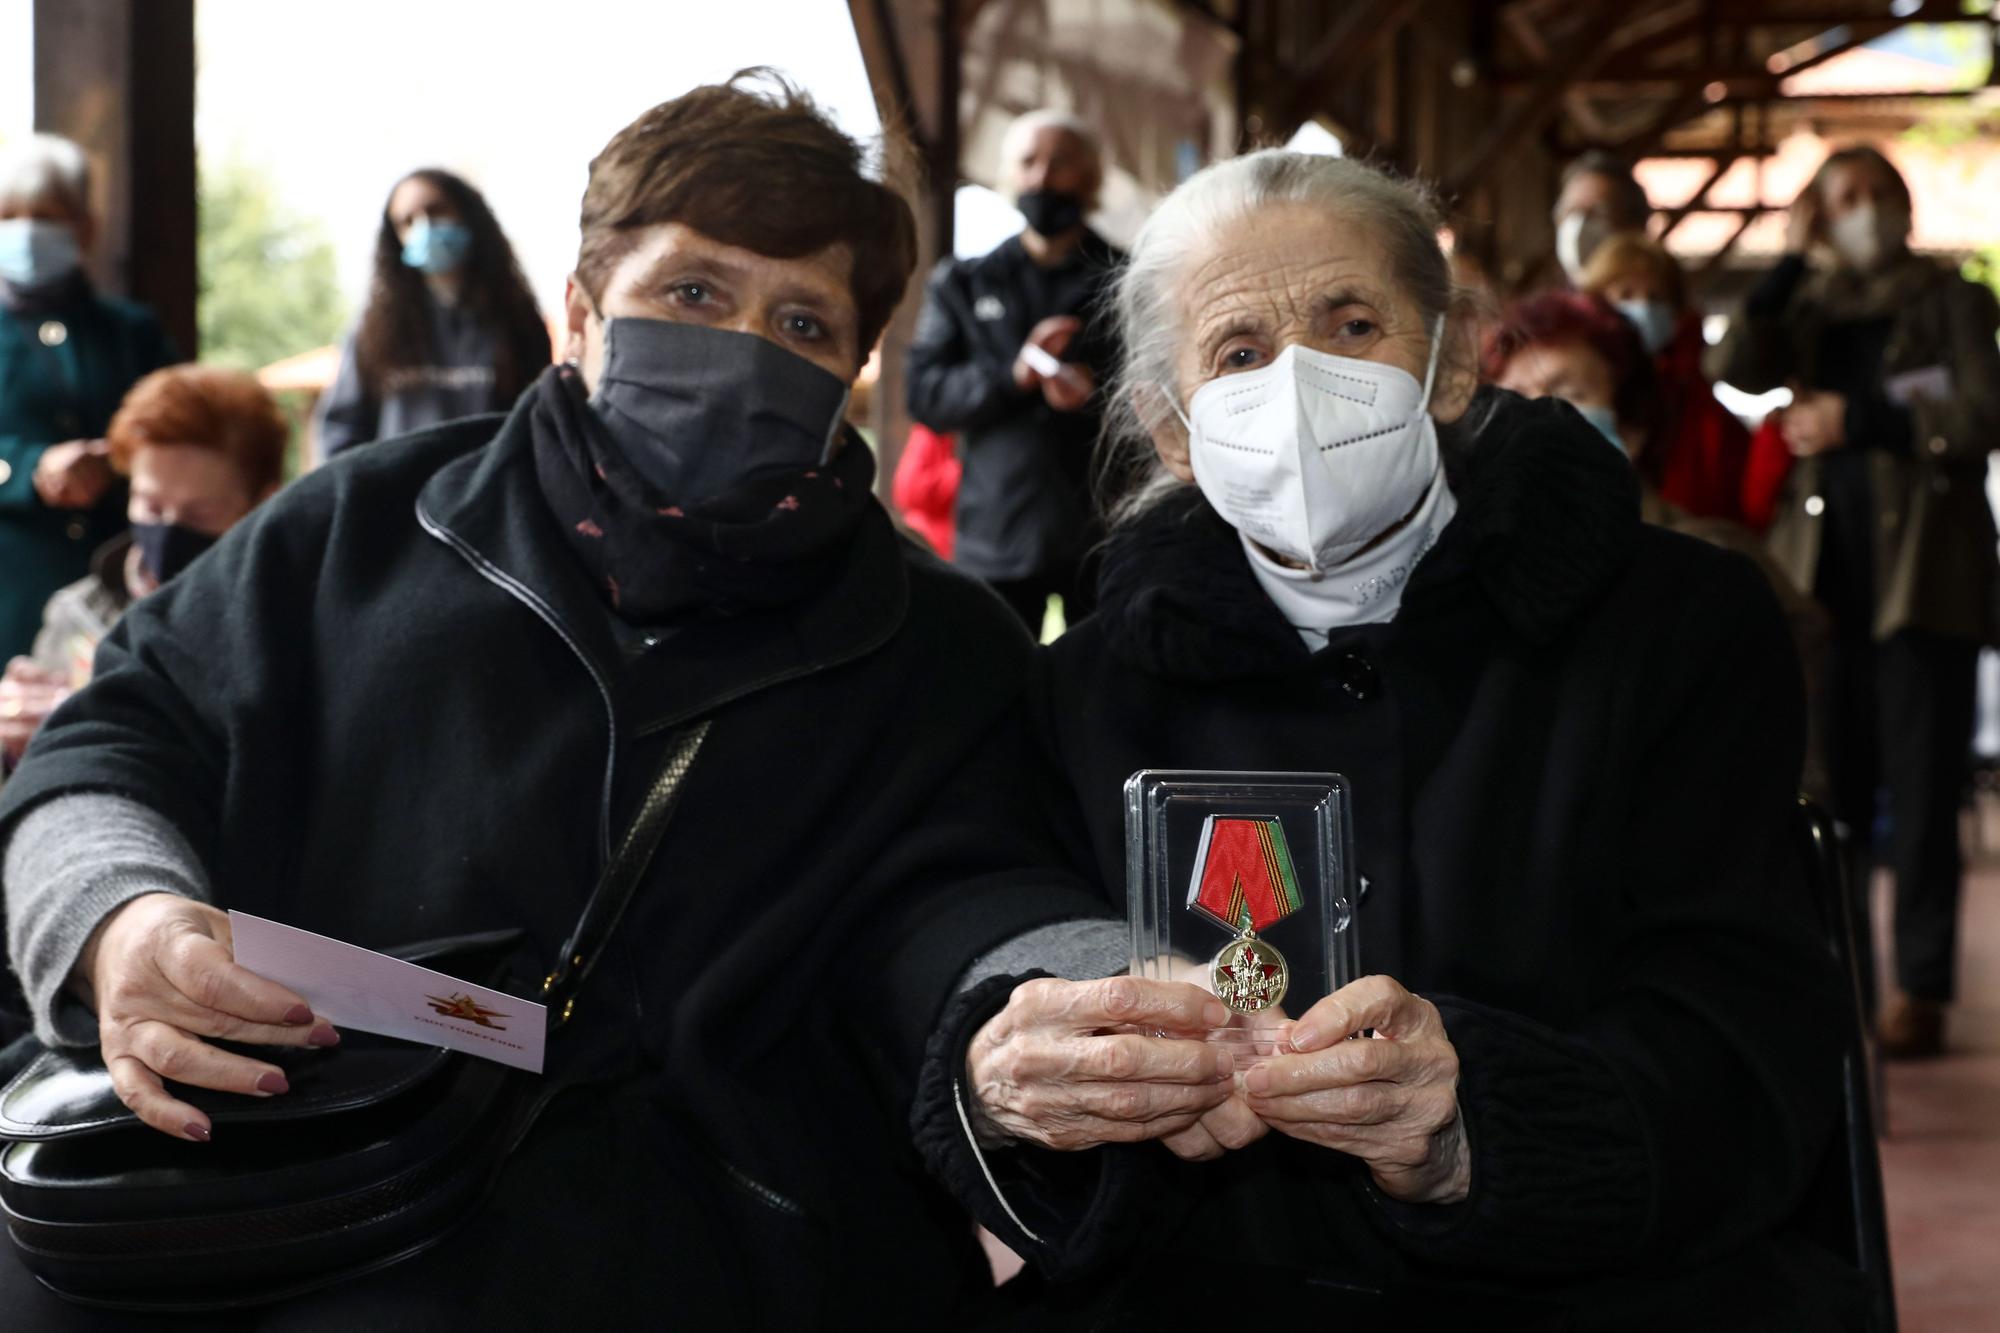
pixel 1040 361
pixel 372 992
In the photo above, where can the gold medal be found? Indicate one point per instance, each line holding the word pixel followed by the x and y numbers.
pixel 1249 974
pixel 1244 881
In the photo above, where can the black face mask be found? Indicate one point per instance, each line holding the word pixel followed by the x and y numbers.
pixel 1051 212
pixel 698 412
pixel 165 549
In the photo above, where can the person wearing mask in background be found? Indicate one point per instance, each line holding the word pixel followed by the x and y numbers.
pixel 450 330
pixel 1599 198
pixel 424 692
pixel 1008 356
pixel 1895 410
pixel 1696 457
pixel 67 355
pixel 203 446
pixel 1576 347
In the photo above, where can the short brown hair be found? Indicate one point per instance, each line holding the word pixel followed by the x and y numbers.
pixel 759 167
pixel 224 410
pixel 1635 252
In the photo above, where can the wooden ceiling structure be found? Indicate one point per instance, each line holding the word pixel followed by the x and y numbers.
pixel 1485 99
pixel 1488 99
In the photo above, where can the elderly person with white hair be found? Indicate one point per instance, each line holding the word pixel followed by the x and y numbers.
pixel 1606 1058
pixel 67 356
pixel 1008 355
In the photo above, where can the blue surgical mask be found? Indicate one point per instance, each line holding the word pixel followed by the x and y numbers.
pixel 1655 321
pixel 1605 420
pixel 437 247
pixel 35 251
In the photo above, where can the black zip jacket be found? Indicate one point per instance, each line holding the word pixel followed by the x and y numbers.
pixel 1023 497
pixel 388 707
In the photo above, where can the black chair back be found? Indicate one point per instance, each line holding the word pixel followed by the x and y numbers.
pixel 1845 1209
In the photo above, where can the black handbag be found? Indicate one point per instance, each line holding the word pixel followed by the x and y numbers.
pixel 376 1152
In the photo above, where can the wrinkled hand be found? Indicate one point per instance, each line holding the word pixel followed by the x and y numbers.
pixel 161 975
pixel 73 475
pixel 1815 422
pixel 1391 1101
pixel 1045 1069
pixel 1232 1125
pixel 1802 226
pixel 1053 336
pixel 28 694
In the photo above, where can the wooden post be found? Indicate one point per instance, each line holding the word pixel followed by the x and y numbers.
pixel 117 76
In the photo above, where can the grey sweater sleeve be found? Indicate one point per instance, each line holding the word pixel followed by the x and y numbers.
pixel 70 862
pixel 1080 950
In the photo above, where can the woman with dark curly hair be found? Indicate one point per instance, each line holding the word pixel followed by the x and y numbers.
pixel 450 330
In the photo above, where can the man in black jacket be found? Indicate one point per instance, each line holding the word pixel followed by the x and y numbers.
pixel 422 693
pixel 1009 355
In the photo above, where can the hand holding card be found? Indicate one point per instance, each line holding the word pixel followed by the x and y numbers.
pixel 372 992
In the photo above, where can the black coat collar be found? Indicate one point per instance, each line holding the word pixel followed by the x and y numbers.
pixel 1547 516
pixel 488 506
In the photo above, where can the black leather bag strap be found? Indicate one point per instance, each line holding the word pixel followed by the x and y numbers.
pixel 607 902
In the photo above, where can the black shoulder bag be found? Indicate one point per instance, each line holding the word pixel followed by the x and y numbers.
pixel 378 1150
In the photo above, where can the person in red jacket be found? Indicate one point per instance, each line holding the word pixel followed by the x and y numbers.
pixel 1702 449
pixel 925 489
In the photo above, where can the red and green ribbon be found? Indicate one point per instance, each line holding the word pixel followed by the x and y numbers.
pixel 1243 874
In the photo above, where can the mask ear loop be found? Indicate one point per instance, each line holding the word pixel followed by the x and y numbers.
pixel 1430 371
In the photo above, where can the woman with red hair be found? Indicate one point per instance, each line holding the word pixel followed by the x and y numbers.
pixel 202 446
pixel 1577 347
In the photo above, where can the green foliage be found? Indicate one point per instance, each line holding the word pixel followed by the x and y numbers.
pixel 268 287
pixel 1983 267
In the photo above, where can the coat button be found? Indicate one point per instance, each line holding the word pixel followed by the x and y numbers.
pixel 1815 506
pixel 6 471
pixel 75 530
pixel 53 333
pixel 1937 444
pixel 1355 677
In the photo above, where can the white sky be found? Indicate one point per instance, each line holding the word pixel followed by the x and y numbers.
pixel 338 98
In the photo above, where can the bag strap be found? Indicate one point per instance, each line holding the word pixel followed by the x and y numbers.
pixel 607 902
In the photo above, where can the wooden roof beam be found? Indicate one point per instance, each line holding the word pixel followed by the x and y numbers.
pixel 1528 115
pixel 1357 33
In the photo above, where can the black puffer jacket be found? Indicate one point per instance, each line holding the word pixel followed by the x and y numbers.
pixel 1574 754
pixel 1023 502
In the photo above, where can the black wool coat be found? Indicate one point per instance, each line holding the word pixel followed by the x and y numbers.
pixel 1574 754
pixel 388 707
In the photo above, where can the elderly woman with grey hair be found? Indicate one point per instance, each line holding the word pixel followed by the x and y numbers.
pixel 67 356
pixel 1606 1066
